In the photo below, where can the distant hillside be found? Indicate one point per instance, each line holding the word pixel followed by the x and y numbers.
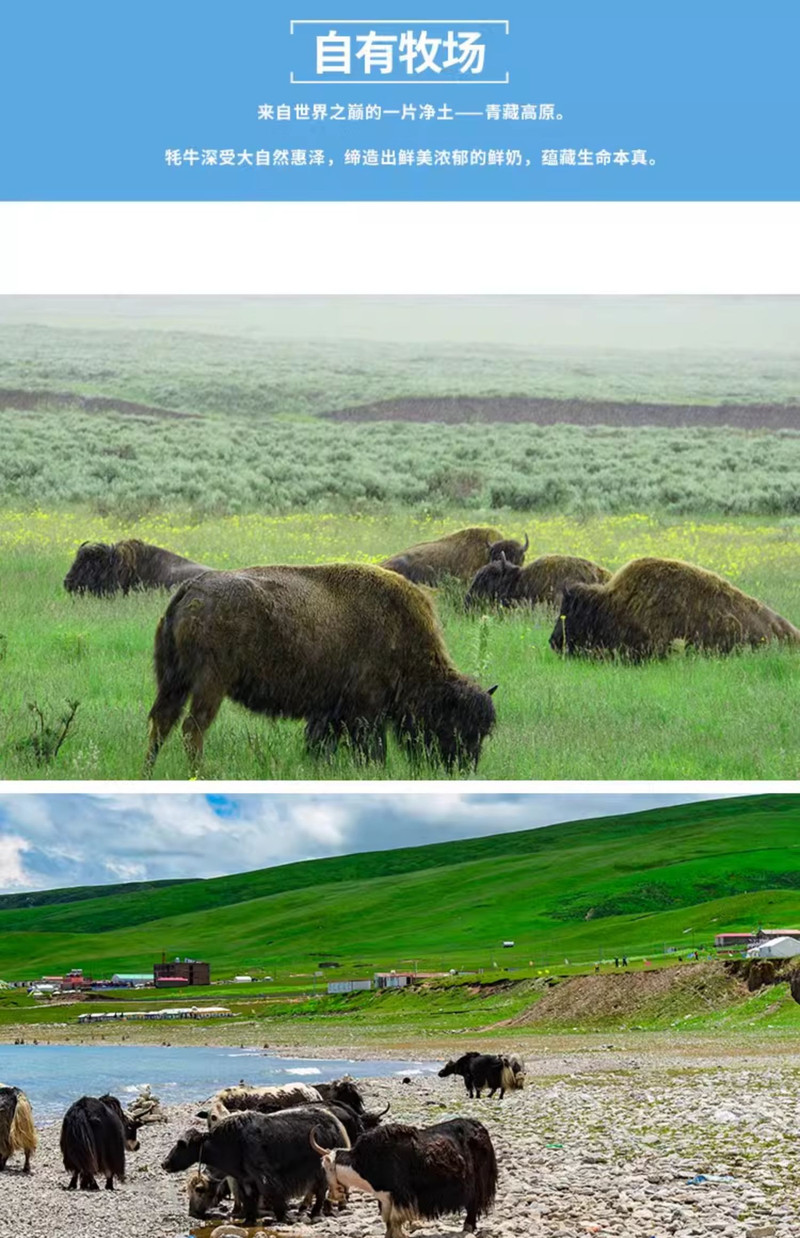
pixel 616 884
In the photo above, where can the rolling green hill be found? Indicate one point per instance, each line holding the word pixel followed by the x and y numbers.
pixel 629 884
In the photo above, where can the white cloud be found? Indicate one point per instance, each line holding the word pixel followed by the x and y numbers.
pixel 12 865
pixel 51 840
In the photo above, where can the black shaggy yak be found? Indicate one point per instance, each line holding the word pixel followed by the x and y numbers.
pixel 350 648
pixel 268 1156
pixel 417 1173
pixel 458 554
pixel 541 582
pixel 95 1134
pixel 17 1131
pixel 485 1070
pixel 103 569
pixel 650 605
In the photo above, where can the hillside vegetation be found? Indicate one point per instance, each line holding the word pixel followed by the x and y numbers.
pixel 622 885
pixel 139 421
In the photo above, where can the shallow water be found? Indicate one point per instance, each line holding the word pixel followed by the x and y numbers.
pixel 53 1076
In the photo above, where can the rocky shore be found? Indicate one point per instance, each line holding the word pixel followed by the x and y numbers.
pixel 615 1144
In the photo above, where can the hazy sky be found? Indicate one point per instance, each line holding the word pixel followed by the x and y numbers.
pixel 692 322
pixel 51 840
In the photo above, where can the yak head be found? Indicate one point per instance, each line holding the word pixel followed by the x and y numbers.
pixel 186 1152
pixel 580 624
pixel 130 1126
pixel 339 1173
pixel 496 582
pixel 457 718
pixel 370 1120
pixel 204 1193
pixel 450 1068
pixel 95 569
pixel 345 1092
pixel 512 550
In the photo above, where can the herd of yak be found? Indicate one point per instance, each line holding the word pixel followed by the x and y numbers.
pixel 354 648
pixel 263 1147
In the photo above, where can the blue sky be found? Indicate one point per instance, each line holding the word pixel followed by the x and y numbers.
pixel 51 840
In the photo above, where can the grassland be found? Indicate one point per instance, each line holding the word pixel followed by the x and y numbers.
pixel 689 717
pixel 654 886
pixel 218 443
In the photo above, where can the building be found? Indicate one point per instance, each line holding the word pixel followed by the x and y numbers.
pixel 732 941
pixel 393 979
pixel 728 941
pixel 176 1012
pixel 131 980
pixel 190 970
pixel 775 948
pixel 348 986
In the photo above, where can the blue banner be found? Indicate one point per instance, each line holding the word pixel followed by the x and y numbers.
pixel 169 100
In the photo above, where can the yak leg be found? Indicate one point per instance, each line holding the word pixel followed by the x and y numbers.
pixel 249 1202
pixel 279 1208
pixel 26 1168
pixel 206 700
pixel 110 1184
pixel 368 740
pixel 392 1219
pixel 471 1219
pixel 166 711
pixel 73 1182
pixel 3 1160
pixel 320 1195
pixel 323 736
pixel 88 1183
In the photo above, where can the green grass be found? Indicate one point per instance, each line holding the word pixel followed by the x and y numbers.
pixel 688 717
pixel 719 864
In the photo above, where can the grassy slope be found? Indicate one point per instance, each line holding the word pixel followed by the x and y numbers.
pixel 700 867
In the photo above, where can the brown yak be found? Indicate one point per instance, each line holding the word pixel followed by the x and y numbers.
pixel 103 569
pixel 650 604
pixel 350 648
pixel 540 582
pixel 459 554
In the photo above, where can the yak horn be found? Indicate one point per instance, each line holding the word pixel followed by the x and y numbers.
pixel 527 543
pixel 319 1150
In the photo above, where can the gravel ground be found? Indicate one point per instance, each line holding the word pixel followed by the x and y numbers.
pixel 599 1143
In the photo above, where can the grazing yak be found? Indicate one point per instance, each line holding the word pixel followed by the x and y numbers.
pixel 417 1173
pixel 95 1134
pixel 348 647
pixel 17 1131
pixel 651 604
pixel 486 1070
pixel 103 569
pixel 540 582
pixel 459 554
pixel 208 1188
pixel 268 1156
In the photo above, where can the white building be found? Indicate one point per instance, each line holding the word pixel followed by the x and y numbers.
pixel 775 948
pixel 348 986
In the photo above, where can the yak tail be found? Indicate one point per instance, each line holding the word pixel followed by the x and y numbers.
pixel 23 1132
pixel 78 1147
pixel 507 1077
